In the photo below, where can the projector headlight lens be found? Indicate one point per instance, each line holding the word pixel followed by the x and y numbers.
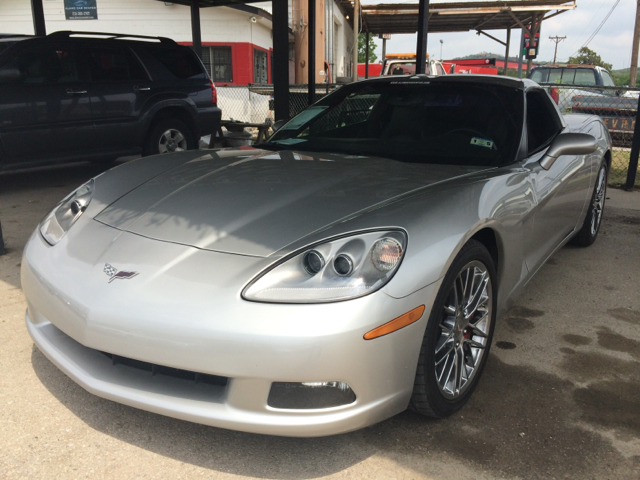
pixel 58 221
pixel 337 269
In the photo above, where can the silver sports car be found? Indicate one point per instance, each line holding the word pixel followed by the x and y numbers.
pixel 351 267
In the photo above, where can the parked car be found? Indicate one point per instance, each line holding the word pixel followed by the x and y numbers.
pixel 329 278
pixel 78 96
pixel 575 79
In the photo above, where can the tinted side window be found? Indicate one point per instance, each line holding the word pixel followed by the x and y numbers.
pixel 113 64
pixel 585 76
pixel 555 75
pixel 539 75
pixel 542 120
pixel 5 45
pixel 568 75
pixel 40 65
pixel 181 62
pixel 607 81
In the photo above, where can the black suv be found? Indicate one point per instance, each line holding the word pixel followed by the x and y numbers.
pixel 93 96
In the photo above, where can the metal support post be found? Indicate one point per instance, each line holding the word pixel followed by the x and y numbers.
pixel 384 50
pixel 311 34
pixel 520 55
pixel 366 60
pixel 195 27
pixel 37 11
pixel 635 150
pixel 506 53
pixel 280 75
pixel 356 32
pixel 423 31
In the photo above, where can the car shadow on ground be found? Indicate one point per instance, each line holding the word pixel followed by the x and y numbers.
pixel 520 422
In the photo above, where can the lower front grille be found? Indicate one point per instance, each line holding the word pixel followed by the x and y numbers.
pixel 154 369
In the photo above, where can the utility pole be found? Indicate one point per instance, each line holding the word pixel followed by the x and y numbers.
pixel 557 40
pixel 634 49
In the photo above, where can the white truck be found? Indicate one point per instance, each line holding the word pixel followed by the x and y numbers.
pixel 405 64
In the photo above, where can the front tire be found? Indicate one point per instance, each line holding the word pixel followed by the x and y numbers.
pixel 458 336
pixel 591 226
pixel 169 135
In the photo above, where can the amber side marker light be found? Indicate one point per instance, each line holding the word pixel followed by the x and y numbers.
pixel 396 324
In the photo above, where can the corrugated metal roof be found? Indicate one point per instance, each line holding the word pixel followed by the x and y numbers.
pixel 455 17
pixel 443 17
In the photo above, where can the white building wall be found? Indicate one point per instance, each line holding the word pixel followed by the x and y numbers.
pixel 142 17
pixel 343 38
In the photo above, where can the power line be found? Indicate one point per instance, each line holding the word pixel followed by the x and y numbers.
pixel 599 27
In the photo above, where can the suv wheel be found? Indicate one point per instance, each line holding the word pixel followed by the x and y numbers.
pixel 169 135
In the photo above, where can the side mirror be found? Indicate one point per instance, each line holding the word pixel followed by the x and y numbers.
pixel 278 125
pixel 10 75
pixel 568 144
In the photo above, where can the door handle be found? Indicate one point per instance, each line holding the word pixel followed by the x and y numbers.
pixel 141 89
pixel 71 91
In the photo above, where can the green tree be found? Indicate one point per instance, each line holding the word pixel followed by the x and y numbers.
pixel 362 51
pixel 586 56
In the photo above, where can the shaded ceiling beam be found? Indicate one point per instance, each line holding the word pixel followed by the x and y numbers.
pixel 196 34
pixel 488 18
pixel 280 16
pixel 480 32
pixel 423 32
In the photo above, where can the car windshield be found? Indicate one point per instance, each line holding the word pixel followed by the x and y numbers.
pixel 419 122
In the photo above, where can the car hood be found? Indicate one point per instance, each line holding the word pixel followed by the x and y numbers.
pixel 255 202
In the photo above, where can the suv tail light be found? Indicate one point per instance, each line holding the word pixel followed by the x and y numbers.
pixel 214 93
pixel 555 95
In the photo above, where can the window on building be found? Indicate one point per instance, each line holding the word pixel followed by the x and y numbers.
pixel 260 66
pixel 219 64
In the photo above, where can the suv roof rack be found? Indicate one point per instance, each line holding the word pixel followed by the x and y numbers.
pixel 111 36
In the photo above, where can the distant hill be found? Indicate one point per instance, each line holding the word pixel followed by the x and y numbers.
pixel 497 56
pixel 621 76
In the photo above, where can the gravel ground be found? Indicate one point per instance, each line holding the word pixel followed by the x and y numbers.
pixel 560 397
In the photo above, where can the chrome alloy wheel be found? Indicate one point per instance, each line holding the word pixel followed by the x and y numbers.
pixel 172 140
pixel 598 200
pixel 464 330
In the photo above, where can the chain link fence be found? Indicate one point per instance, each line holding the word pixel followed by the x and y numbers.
pixel 253 103
pixel 617 106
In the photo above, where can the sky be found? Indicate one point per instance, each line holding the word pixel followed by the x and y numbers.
pixel 612 43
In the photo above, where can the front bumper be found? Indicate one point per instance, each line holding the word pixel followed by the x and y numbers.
pixel 184 311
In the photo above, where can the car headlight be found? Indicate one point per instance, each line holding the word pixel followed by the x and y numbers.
pixel 59 220
pixel 334 270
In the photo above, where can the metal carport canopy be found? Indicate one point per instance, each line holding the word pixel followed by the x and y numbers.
pixel 457 17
